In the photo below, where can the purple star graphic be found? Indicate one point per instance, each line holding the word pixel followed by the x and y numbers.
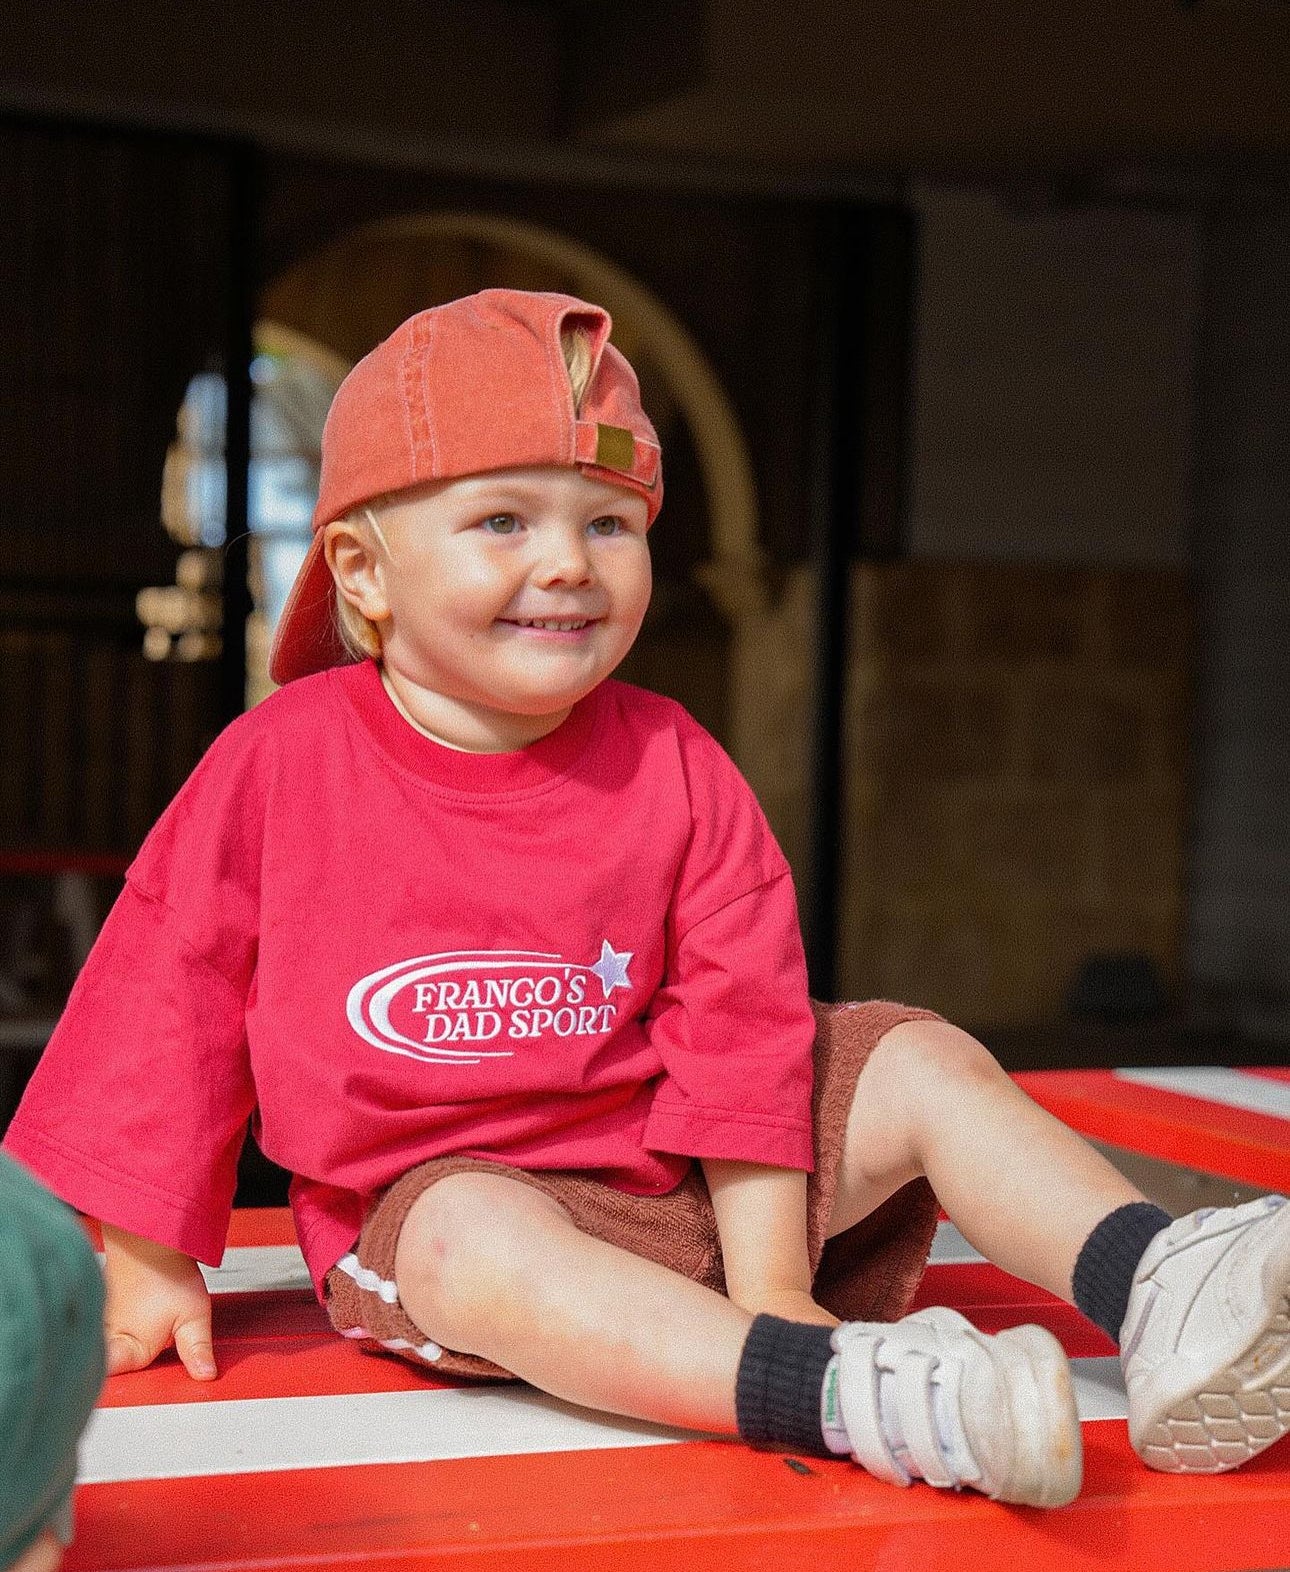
pixel 611 968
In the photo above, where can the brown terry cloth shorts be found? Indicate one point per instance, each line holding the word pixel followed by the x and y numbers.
pixel 868 1273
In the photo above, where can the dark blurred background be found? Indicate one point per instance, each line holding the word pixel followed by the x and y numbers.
pixel 967 330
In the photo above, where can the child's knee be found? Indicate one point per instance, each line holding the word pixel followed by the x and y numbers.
pixel 923 1058
pixel 462 1245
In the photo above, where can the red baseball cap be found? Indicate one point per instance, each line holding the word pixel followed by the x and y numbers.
pixel 474 385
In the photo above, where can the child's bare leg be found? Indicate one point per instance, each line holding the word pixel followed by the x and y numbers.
pixel 488 1265
pixel 1199 1305
pixel 1024 1189
pixel 491 1266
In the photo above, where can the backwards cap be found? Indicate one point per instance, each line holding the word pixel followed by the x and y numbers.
pixel 475 385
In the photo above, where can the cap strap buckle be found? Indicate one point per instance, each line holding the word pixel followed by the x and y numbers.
pixel 616 448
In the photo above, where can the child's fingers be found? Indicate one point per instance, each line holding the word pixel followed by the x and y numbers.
pixel 194 1347
pixel 125 1352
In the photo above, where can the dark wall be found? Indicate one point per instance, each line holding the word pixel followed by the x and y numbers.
pixel 114 290
pixel 1240 877
pixel 404 68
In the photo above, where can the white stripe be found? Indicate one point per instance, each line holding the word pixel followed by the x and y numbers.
pixel 1099 1388
pixel 184 1440
pixel 1254 1093
pixel 260 1269
pixel 950 1248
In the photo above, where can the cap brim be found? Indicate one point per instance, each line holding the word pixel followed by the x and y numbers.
pixel 307 639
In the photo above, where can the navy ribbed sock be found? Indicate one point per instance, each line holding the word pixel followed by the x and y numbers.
pixel 1104 1270
pixel 779 1385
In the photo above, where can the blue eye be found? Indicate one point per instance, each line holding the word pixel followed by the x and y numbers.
pixel 609 525
pixel 501 524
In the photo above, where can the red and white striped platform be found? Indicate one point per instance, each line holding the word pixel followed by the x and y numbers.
pixel 307 1453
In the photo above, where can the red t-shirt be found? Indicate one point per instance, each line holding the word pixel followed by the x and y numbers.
pixel 584 955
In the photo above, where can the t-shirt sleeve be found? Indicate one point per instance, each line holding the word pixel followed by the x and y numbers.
pixel 732 1023
pixel 138 1107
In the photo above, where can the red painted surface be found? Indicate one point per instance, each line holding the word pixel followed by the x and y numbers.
pixel 694 1506
pixel 266 1225
pixel 1270 1072
pixel 698 1505
pixel 268 1345
pixel 1189 1130
pixel 993 1300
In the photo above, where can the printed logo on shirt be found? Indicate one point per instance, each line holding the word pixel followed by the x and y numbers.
pixel 461 1006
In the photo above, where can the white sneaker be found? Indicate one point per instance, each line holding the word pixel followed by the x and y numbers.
pixel 932 1398
pixel 1206 1339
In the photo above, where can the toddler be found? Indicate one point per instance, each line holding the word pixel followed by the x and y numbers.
pixel 502 961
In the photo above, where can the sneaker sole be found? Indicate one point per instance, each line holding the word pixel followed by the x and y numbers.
pixel 1048 1465
pixel 1242 1410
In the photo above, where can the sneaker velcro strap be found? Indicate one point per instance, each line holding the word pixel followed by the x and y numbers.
pixel 858 1397
pixel 901 1403
pixel 912 1379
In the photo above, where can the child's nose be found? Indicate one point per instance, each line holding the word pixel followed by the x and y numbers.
pixel 564 558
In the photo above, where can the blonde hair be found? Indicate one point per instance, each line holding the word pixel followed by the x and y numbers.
pixel 575 342
pixel 361 638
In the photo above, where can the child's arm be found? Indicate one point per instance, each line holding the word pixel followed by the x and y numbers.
pixel 156 1296
pixel 761 1221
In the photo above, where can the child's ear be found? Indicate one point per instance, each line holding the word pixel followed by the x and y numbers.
pixel 352 558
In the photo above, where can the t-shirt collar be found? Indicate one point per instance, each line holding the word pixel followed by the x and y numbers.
pixel 525 769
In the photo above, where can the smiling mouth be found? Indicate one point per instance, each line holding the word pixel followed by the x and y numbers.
pixel 553 624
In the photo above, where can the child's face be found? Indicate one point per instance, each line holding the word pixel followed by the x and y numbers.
pixel 509 594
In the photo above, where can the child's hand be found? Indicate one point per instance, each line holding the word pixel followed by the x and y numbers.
pixel 761 1220
pixel 155 1297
